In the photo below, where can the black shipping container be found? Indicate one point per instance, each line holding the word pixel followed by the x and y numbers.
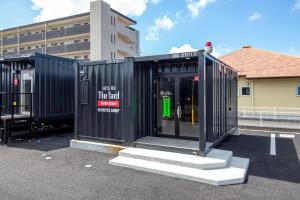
pixel 50 79
pixel 186 96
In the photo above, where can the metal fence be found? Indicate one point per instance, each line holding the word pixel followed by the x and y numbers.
pixel 281 117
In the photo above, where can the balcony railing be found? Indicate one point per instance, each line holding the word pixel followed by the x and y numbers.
pixel 78 47
pixel 32 37
pixel 78 30
pixel 52 50
pixel 9 54
pixel 68 48
pixel 10 41
pixel 50 34
pixel 28 51
pixel 56 49
pixel 56 33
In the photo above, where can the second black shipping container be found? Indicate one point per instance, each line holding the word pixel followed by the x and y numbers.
pixel 38 85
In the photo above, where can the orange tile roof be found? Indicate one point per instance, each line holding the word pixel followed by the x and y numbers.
pixel 257 63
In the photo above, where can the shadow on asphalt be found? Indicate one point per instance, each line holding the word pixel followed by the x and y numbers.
pixel 46 141
pixel 284 166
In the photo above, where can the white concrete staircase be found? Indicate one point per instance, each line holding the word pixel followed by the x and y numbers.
pixel 217 168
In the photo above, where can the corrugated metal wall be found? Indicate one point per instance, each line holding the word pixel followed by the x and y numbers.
pixel 99 115
pixel 53 87
pixel 221 100
pixel 53 84
pixel 145 79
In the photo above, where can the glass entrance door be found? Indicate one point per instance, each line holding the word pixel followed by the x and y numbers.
pixel 177 106
pixel 26 89
pixel 188 120
pixel 166 111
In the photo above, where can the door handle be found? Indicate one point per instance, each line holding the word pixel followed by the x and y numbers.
pixel 178 111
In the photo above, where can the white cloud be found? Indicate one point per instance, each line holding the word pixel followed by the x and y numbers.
pixel 296 6
pixel 58 8
pixel 219 51
pixel 196 6
pixel 128 7
pixel 155 2
pixel 294 52
pixel 51 9
pixel 164 23
pixel 254 16
pixel 183 48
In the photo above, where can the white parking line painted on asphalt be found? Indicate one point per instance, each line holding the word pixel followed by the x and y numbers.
pixel 48 158
pixel 273 145
pixel 88 166
pixel 266 131
pixel 287 136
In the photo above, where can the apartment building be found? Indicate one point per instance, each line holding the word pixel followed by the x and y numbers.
pixel 102 33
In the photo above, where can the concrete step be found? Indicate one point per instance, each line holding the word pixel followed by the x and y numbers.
pixel 234 173
pixel 215 158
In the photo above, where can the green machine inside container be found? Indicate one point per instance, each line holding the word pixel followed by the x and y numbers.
pixel 166 106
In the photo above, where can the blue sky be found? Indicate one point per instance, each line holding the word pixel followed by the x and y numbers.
pixel 230 24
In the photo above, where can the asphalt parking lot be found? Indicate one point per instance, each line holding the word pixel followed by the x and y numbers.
pixel 48 169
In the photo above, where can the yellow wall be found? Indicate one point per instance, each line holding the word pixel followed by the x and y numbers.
pixel 277 92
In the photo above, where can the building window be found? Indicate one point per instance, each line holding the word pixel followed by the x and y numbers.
pixel 114 39
pixel 86 40
pixel 114 21
pixel 246 91
pixel 77 41
pixel 86 57
pixel 111 38
pixel 298 91
pixel 77 25
pixel 111 20
pixel 76 57
pixel 29 47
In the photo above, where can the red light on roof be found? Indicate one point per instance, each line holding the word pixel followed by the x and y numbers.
pixel 208 44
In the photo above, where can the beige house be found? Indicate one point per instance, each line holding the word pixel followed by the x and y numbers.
pixel 267 80
pixel 102 33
